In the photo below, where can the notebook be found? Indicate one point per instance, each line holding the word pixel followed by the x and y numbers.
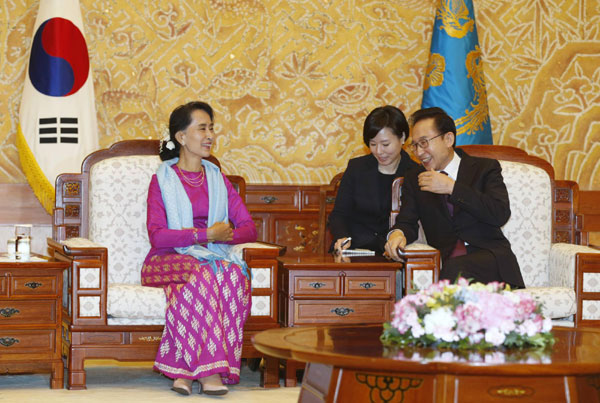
pixel 358 252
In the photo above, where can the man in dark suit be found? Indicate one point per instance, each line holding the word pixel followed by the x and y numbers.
pixel 462 203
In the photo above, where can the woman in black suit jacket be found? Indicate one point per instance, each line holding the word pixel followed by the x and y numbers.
pixel 364 199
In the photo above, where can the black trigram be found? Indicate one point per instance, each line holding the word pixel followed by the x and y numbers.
pixel 50 130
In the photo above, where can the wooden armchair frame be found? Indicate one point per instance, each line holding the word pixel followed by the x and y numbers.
pixel 327 195
pixel 567 225
pixel 415 260
pixel 92 337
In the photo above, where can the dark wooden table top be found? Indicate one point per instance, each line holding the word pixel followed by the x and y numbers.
pixel 576 352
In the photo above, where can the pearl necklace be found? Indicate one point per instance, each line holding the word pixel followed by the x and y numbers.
pixel 194 182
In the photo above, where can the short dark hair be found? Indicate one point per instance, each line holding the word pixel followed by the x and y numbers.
pixel 382 117
pixel 442 121
pixel 180 119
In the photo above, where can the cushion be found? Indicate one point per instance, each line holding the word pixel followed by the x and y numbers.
pixel 117 213
pixel 557 302
pixel 135 302
pixel 561 266
pixel 529 228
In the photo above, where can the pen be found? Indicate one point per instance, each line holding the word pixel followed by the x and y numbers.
pixel 345 242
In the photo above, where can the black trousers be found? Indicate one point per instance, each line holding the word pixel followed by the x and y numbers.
pixel 478 265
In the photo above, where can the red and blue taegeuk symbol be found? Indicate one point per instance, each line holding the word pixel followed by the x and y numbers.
pixel 59 63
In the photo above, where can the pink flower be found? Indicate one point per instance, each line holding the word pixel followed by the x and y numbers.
pixel 495 286
pixel 469 319
pixel 436 287
pixel 405 314
pixel 525 306
pixel 415 325
pixel 497 311
pixel 529 327
pixel 401 314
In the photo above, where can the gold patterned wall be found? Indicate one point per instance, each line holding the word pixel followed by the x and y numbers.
pixel 292 81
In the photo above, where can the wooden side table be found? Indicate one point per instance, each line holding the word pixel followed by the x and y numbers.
pixel 321 289
pixel 30 316
pixel 324 290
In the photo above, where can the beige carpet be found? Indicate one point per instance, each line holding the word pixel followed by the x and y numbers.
pixel 112 382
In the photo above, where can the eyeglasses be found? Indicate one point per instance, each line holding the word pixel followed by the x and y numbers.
pixel 423 143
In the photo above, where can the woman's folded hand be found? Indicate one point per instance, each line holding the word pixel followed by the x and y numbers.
pixel 219 232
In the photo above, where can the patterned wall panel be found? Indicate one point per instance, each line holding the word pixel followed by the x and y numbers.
pixel 292 81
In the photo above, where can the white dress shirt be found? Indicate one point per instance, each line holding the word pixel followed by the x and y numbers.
pixel 452 168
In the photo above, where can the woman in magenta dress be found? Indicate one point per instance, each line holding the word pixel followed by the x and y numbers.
pixel 190 207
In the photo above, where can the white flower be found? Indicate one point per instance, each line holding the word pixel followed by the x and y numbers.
pixel 414 357
pixel 440 322
pixel 170 145
pixel 165 133
pixel 412 321
pixel 515 297
pixel 475 357
pixel 476 338
pixel 507 326
pixel 494 336
pixel 417 330
pixel 547 326
pixel 447 356
pixel 529 328
pixel 496 357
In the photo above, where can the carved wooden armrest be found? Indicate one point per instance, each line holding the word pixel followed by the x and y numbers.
pixel 86 279
pixel 263 264
pixel 259 249
pixel 587 266
pixel 415 260
pixel 584 224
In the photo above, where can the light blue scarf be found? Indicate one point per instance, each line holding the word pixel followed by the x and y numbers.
pixel 179 212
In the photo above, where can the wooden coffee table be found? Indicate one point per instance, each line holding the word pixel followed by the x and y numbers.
pixel 349 364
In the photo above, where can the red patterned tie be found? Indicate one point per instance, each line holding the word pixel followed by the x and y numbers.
pixel 459 248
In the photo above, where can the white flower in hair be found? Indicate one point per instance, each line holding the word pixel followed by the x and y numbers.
pixel 166 140
pixel 165 134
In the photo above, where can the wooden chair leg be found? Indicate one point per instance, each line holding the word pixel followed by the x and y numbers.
pixel 291 370
pixel 57 375
pixel 269 377
pixel 76 370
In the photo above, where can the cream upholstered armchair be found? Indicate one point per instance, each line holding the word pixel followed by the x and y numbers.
pixel 99 226
pixel 543 233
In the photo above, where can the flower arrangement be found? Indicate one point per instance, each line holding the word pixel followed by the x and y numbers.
pixel 468 316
